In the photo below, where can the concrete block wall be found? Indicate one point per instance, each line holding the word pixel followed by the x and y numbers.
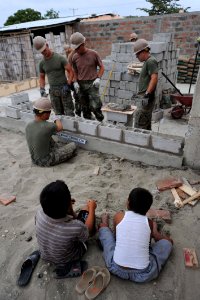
pixel 118 86
pixel 125 135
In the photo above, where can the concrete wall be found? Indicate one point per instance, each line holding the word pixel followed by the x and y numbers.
pixel 185 26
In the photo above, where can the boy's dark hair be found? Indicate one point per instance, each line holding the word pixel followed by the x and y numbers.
pixel 140 200
pixel 55 199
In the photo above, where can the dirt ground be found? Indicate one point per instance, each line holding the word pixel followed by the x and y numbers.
pixel 110 188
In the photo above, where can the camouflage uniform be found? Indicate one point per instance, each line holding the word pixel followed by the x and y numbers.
pixel 90 100
pixel 61 100
pixel 143 114
pixel 59 153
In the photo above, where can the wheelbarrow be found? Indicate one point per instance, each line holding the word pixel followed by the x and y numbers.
pixel 185 105
pixel 185 101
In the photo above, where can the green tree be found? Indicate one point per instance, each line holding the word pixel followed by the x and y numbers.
pixel 51 14
pixel 24 15
pixel 162 7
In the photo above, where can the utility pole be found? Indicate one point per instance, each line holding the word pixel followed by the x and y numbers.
pixel 73 10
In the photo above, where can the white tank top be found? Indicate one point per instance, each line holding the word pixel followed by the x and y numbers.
pixel 132 241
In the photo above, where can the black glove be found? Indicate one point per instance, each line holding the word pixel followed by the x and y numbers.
pixel 43 92
pixel 146 95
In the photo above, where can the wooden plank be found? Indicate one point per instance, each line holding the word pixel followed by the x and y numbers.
pixel 188 190
pixel 190 258
pixel 197 195
pixel 186 182
pixel 178 201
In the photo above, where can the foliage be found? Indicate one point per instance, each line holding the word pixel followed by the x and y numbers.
pixel 24 15
pixel 51 14
pixel 161 7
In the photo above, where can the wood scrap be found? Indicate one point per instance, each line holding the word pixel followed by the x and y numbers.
pixel 177 199
pixel 190 258
pixel 197 195
pixel 192 190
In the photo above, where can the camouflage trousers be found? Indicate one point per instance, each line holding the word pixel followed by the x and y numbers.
pixel 59 154
pixel 76 97
pixel 90 100
pixel 143 114
pixel 61 100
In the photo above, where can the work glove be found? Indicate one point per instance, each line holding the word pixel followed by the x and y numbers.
pixel 76 87
pixel 96 82
pixel 43 92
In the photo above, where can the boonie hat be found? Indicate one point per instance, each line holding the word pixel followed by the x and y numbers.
pixel 39 43
pixel 77 39
pixel 42 104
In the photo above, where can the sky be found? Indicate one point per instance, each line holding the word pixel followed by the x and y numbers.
pixel 80 7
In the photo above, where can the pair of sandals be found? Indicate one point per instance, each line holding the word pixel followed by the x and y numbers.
pixel 93 282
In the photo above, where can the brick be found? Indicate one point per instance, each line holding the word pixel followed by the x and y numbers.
pixel 8 200
pixel 13 112
pixel 88 127
pixel 110 132
pixel 159 214
pixel 168 183
pixel 190 258
pixel 168 143
pixel 137 137
pixel 69 123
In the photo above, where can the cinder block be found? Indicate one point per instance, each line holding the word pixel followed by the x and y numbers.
pixel 69 123
pixel 168 143
pixel 13 112
pixel 139 137
pixel 110 132
pixel 19 98
pixel 27 115
pixel 88 127
pixel 157 115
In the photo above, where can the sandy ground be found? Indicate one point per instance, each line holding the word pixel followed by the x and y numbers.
pixel 110 188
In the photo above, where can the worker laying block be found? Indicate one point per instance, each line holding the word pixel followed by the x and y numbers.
pixel 54 66
pixel 44 151
pixel 145 99
pixel 87 78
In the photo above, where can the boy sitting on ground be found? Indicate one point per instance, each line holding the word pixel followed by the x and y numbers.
pixel 132 256
pixel 61 235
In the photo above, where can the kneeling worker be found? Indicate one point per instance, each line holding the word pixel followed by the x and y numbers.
pixel 44 151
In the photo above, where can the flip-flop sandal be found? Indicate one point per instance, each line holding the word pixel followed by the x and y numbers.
pixel 27 268
pixel 71 269
pixel 99 284
pixel 86 279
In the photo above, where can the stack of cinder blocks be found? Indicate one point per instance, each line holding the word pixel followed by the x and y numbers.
pixel 20 108
pixel 118 86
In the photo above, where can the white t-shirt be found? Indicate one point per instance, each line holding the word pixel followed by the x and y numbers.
pixel 132 241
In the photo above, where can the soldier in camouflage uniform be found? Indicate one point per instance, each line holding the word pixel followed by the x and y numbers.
pixel 54 66
pixel 87 79
pixel 44 151
pixel 145 99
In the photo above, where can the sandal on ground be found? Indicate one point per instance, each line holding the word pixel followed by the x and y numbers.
pixel 71 269
pixel 99 284
pixel 86 279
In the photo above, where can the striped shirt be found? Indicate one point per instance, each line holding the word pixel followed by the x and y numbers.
pixel 59 239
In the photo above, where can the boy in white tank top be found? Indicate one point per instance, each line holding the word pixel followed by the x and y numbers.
pixel 131 256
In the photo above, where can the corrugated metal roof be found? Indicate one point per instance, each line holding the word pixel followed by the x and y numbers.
pixel 42 23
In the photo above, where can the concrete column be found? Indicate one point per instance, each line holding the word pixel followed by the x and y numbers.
pixel 192 137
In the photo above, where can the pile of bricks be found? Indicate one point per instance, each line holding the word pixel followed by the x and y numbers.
pixel 185 67
pixel 20 108
pixel 118 86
